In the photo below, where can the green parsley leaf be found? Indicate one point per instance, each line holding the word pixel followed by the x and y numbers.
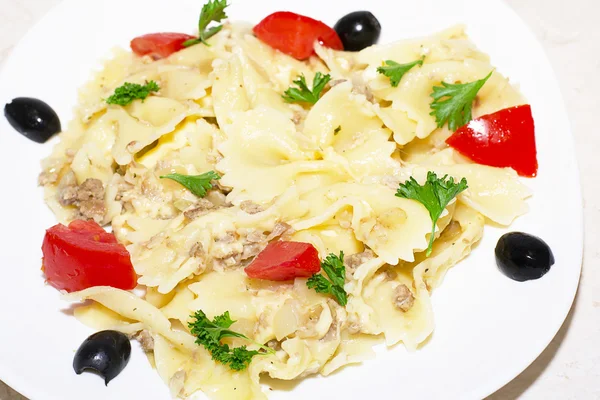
pixel 336 271
pixel 435 195
pixel 191 42
pixel 129 92
pixel 197 184
pixel 213 11
pixel 337 130
pixel 210 333
pixel 220 325
pixel 457 104
pixel 396 71
pixel 239 358
pixel 302 93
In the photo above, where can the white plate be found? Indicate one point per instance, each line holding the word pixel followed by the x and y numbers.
pixel 489 328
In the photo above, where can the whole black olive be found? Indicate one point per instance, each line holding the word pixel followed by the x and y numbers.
pixel 358 30
pixel 33 118
pixel 523 257
pixel 106 352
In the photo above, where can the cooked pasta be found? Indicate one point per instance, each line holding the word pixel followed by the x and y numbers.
pixel 325 174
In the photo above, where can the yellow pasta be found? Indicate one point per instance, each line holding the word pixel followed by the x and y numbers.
pixel 324 174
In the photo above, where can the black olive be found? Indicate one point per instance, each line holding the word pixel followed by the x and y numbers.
pixel 358 30
pixel 106 352
pixel 523 257
pixel 33 118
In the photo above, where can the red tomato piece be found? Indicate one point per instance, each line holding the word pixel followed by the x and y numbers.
pixel 84 255
pixel 92 229
pixel 284 261
pixel 295 34
pixel 159 45
pixel 503 139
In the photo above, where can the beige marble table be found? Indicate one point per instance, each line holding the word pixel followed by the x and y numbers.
pixel 569 30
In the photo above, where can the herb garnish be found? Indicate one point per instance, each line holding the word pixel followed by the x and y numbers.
pixel 128 92
pixel 197 184
pixel 213 11
pixel 210 333
pixel 396 71
pixel 457 104
pixel 435 195
pixel 336 271
pixel 302 93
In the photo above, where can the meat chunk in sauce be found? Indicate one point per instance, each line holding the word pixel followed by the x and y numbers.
pixel 200 208
pixel 355 260
pixel 197 250
pixel 280 229
pixel 90 189
pixel 250 207
pixel 403 298
pixel 93 209
pixel 146 340
pixel 87 197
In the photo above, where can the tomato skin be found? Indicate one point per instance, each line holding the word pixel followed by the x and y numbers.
pixel 92 229
pixel 159 45
pixel 295 34
pixel 83 255
pixel 284 261
pixel 503 139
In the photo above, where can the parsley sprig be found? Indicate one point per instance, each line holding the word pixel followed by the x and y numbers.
pixel 435 195
pixel 197 184
pixel 453 103
pixel 210 333
pixel 336 271
pixel 396 71
pixel 302 93
pixel 128 92
pixel 213 11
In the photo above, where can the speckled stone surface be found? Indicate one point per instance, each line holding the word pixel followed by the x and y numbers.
pixel 570 367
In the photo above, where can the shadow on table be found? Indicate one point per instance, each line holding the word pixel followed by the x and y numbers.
pixel 6 393
pixel 515 388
